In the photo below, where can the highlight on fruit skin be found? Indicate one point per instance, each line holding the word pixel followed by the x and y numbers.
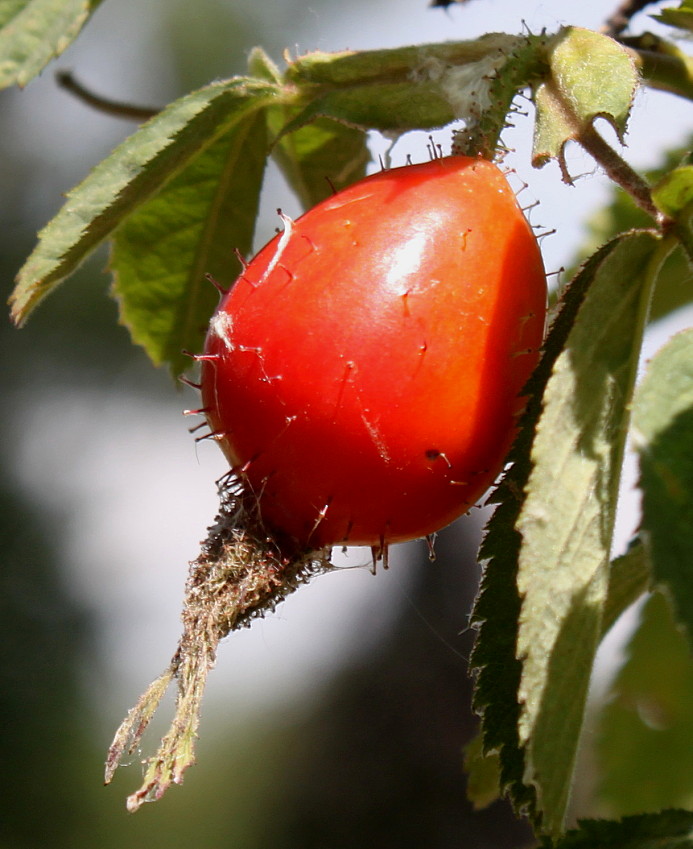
pixel 363 374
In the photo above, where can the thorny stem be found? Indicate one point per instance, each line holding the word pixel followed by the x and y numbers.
pixel 129 111
pixel 240 574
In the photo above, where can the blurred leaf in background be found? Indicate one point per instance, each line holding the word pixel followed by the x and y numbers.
pixel 645 733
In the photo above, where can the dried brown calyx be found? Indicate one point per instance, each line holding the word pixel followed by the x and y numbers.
pixel 240 574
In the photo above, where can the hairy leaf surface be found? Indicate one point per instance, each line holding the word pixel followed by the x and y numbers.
pixel 573 93
pixel 497 609
pixel 567 519
pixel 553 544
pixel 407 88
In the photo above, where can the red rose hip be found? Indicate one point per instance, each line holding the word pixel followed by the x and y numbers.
pixel 363 374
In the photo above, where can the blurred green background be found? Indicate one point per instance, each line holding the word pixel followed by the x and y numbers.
pixel 340 722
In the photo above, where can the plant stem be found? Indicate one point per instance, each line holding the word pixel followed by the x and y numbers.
pixel 619 170
pixel 620 18
pixel 102 104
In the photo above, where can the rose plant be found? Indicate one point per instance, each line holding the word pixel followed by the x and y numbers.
pixel 367 371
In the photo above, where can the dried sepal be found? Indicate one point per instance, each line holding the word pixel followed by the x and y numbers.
pixel 241 573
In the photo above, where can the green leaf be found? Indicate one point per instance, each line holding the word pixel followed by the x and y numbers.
pixel 162 252
pixel 675 281
pixel 674 191
pixel 261 66
pixel 663 426
pixel 681 17
pixel 407 88
pixel 645 732
pixel 629 577
pixel 497 608
pixel 483 774
pixel 420 87
pixel 385 106
pixel 32 32
pixel 573 94
pixel 319 158
pixel 567 518
pixel 673 195
pixel 548 541
pixel 346 69
pixel 134 172
pixel 665 830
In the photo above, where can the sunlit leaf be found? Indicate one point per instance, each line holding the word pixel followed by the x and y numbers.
pixel 497 609
pixel 674 191
pixel 573 94
pixel 372 66
pixel 567 518
pixel 319 158
pixel 673 195
pixel 550 536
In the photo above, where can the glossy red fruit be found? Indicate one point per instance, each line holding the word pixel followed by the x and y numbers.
pixel 362 375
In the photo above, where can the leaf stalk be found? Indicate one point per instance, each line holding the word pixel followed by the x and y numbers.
pixel 618 170
pixel 117 109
